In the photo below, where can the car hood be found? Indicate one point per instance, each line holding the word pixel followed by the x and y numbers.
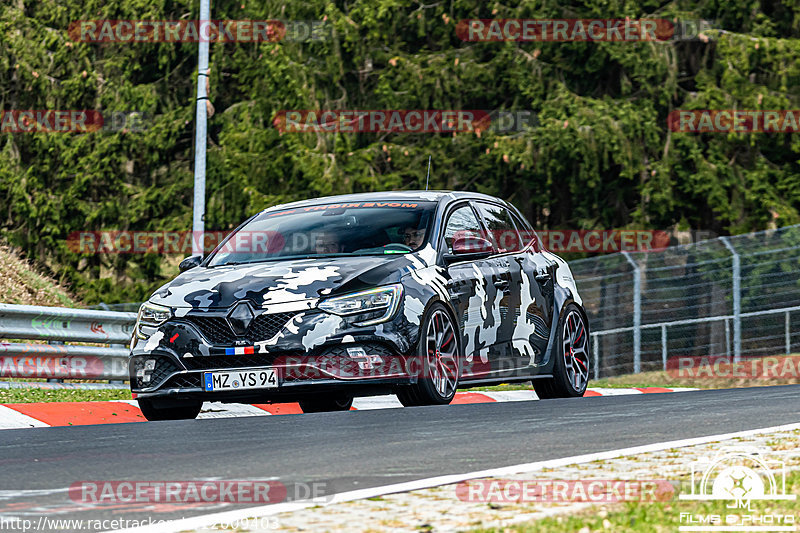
pixel 282 285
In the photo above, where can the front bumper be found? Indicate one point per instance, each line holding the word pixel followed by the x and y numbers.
pixel 309 351
pixel 360 365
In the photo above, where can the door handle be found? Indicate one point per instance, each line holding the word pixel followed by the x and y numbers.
pixel 544 277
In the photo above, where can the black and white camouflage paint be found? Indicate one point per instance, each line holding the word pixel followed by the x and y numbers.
pixel 505 309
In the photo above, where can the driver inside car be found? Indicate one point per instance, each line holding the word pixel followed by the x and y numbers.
pixel 327 242
pixel 413 237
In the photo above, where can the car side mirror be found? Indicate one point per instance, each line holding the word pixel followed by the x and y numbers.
pixel 469 248
pixel 190 262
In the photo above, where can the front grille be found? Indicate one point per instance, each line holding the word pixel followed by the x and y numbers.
pixel 213 328
pixel 267 359
pixel 333 359
pixel 217 330
pixel 370 347
pixel 229 361
pixel 164 367
pixel 265 326
pixel 184 381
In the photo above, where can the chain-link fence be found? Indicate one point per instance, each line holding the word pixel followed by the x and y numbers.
pixel 736 296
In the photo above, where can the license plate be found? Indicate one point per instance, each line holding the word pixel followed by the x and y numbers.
pixel 261 378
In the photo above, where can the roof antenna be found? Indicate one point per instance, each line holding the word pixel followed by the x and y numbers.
pixel 427 179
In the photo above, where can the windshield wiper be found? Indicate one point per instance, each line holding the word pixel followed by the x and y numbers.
pixel 308 256
pixel 279 258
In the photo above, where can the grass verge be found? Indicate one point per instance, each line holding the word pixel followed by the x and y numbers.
pixel 657 517
pixel 33 395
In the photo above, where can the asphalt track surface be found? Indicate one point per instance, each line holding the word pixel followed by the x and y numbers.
pixel 357 449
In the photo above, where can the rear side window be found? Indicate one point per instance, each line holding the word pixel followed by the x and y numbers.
pixel 502 231
pixel 526 233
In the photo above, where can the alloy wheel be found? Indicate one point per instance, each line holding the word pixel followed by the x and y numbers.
pixel 442 354
pixel 576 350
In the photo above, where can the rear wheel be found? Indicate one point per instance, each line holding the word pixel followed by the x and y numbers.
pixel 155 410
pixel 438 351
pixel 571 365
pixel 326 403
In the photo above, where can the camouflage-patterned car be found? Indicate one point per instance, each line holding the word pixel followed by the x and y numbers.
pixel 411 293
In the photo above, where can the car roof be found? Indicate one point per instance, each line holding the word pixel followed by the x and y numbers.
pixel 420 196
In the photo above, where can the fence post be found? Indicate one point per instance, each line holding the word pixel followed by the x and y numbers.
pixel 637 314
pixel 596 349
pixel 788 333
pixel 664 346
pixel 737 300
pixel 727 339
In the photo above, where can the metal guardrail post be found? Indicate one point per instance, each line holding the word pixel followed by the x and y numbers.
pixel 55 380
pixel 637 314
pixel 596 350
pixel 117 381
pixel 664 346
pixel 737 299
pixel 105 306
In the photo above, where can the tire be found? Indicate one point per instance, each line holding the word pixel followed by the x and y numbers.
pixel 327 403
pixel 571 365
pixel 439 351
pixel 153 410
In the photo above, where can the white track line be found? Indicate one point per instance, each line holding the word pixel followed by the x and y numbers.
pixel 11 419
pixel 510 395
pixel 388 401
pixel 270 510
pixel 230 410
pixel 615 392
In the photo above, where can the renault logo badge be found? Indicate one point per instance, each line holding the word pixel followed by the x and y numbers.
pixel 240 317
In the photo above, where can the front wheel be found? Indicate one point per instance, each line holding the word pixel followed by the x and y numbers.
pixel 155 410
pixel 327 403
pixel 438 350
pixel 571 365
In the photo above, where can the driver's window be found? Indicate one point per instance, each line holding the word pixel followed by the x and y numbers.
pixel 462 222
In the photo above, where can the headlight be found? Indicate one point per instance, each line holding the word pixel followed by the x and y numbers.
pixel 152 315
pixel 376 305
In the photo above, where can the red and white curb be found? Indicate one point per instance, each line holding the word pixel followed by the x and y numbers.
pixel 52 414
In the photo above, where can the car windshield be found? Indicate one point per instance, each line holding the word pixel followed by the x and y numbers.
pixel 329 230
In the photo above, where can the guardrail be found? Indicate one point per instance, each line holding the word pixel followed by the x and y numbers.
pixel 57 360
